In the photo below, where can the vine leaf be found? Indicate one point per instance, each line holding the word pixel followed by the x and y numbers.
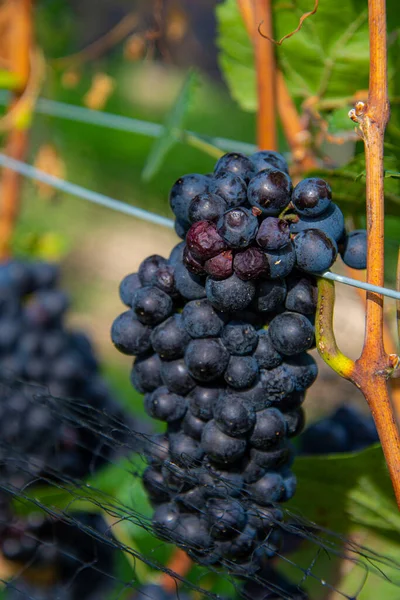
pixel 328 57
pixel 347 490
pixel 172 128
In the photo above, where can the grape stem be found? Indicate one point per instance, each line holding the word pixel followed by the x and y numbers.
pixel 372 370
pixel 266 78
pixel 295 133
pixel 17 142
pixel 325 337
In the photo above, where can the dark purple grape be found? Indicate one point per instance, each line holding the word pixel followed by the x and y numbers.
pixel 303 369
pixel 230 294
pixel 154 485
pixel 156 448
pixel 302 295
pixel 220 266
pixel 176 376
pixel 128 287
pixel 220 483
pixel 256 396
pixel 267 490
pixel 315 251
pixel 206 207
pixel 230 187
pixel 269 430
pixel 226 518
pixel 295 421
pixel 220 447
pixel 202 401
pixel 201 320
pixel 184 450
pixel 277 383
pixel 164 279
pixel 130 336
pixel 183 191
pixel 146 373
pixel 251 264
pixel 191 533
pixel 181 228
pixel 263 519
pixel 239 338
pixel 266 354
pixel 235 163
pixel 273 234
pixel 241 372
pixel 169 339
pixel 238 227
pixel 354 251
pixel 151 305
pixel 290 483
pixel 193 500
pixel 233 416
pixel 292 401
pixel 270 191
pixel 206 359
pixel 149 266
pixel 176 255
pixel 251 471
pixel 270 296
pixel 193 264
pixel 164 405
pixel 281 262
pixel 264 159
pixel 331 222
pixel 291 333
pixel 204 241
pixel 241 545
pixel 193 426
pixel 325 437
pixel 312 197
pixel 188 285
pixel 165 520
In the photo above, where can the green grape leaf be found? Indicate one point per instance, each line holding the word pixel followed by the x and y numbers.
pixel 236 55
pixel 328 57
pixel 172 127
pixel 343 490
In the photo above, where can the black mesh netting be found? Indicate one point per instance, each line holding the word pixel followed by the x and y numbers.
pixel 67 537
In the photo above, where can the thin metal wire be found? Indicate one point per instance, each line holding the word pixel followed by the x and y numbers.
pixel 81 114
pixel 80 192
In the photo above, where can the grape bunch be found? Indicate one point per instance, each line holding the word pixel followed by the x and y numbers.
pixel 346 430
pixel 51 388
pixel 72 551
pixel 220 331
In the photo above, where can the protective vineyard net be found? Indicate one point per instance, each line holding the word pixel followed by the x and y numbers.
pixel 64 536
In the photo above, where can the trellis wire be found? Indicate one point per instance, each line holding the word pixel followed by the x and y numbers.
pixel 140 213
pixel 80 114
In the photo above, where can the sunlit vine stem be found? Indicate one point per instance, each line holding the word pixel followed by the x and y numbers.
pixel 371 371
pixel 292 126
pixel 20 56
pixel 266 78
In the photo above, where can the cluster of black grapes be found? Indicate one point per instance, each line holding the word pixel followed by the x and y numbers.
pixel 51 393
pixel 76 561
pixel 346 430
pixel 220 331
pixel 41 360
